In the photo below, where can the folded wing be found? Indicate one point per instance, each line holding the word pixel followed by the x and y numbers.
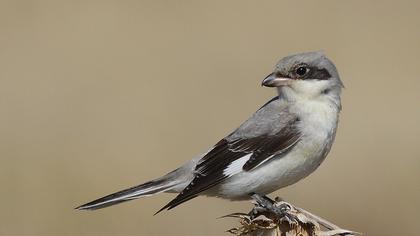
pixel 237 153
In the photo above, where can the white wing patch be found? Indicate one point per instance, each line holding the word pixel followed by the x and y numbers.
pixel 236 166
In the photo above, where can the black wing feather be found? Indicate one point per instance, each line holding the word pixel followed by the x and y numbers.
pixel 209 170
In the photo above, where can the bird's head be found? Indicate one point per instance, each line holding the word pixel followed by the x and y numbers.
pixel 309 74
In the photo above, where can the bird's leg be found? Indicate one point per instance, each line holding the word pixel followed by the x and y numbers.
pixel 269 208
pixel 264 206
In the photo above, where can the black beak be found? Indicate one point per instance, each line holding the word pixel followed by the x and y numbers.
pixel 276 80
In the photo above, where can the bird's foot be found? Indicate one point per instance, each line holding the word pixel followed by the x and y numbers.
pixel 286 214
pixel 265 206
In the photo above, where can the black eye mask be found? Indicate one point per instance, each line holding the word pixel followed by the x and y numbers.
pixel 317 74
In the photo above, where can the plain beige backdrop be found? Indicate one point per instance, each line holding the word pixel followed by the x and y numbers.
pixel 96 96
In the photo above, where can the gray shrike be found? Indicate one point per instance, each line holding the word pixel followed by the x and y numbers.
pixel 281 143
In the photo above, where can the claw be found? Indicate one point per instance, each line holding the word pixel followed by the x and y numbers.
pixel 290 219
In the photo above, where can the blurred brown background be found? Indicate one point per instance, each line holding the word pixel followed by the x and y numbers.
pixel 96 96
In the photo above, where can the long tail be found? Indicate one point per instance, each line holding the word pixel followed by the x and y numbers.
pixel 168 182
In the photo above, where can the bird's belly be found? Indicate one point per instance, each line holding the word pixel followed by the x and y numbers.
pixel 275 174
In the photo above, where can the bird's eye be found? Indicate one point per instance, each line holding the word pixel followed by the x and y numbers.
pixel 301 70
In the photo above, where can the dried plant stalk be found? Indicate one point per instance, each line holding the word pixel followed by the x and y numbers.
pixel 279 218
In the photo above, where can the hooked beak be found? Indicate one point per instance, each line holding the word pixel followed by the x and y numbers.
pixel 275 80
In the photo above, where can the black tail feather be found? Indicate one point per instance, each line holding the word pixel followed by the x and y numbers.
pixel 132 193
pixel 175 202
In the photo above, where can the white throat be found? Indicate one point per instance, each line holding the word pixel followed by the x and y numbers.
pixel 316 91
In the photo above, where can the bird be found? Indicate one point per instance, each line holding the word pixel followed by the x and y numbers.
pixel 283 142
